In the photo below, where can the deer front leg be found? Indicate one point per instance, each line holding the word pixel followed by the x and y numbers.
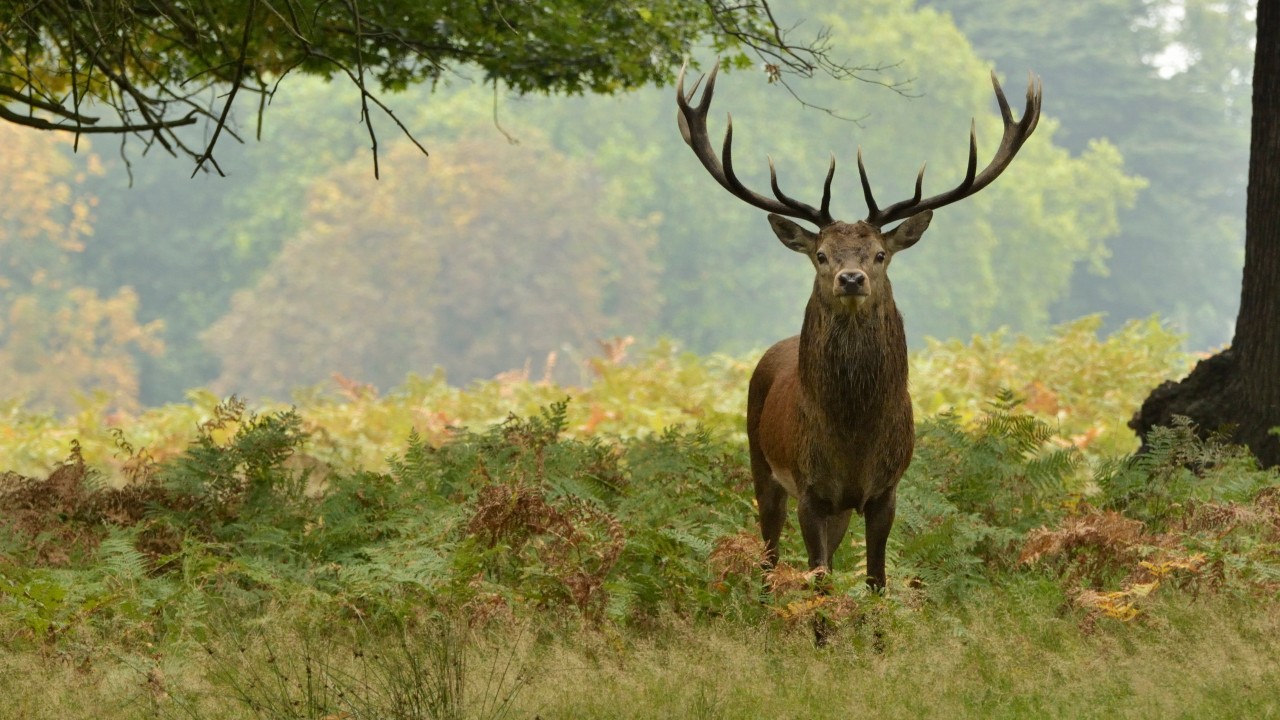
pixel 880 513
pixel 836 527
pixel 823 528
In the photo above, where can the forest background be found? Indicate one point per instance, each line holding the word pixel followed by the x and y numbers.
pixel 390 546
pixel 538 226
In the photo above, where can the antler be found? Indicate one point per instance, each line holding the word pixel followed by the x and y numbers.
pixel 693 127
pixel 1015 134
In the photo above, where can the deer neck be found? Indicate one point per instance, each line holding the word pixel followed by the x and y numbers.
pixel 852 363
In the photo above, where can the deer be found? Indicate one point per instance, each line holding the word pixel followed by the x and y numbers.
pixel 829 417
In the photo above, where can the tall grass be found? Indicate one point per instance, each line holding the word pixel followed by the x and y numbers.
pixel 1011 654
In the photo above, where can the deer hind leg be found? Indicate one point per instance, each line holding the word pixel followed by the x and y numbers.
pixel 823 528
pixel 837 526
pixel 771 498
pixel 880 513
pixel 771 501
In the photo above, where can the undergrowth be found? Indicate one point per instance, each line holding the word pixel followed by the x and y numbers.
pixel 520 521
pixel 1083 386
pixel 318 588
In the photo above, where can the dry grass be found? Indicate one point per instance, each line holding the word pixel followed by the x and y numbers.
pixel 1203 661
pixel 1018 654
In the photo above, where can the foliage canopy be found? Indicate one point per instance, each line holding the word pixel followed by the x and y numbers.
pixel 160 66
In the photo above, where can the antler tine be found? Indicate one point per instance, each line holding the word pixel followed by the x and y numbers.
pixel 972 166
pixel 1011 141
pixel 826 189
pixel 824 214
pixel 1005 113
pixel 693 128
pixel 872 210
pixel 1034 97
pixel 682 102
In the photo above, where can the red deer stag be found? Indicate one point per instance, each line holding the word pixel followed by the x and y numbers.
pixel 828 414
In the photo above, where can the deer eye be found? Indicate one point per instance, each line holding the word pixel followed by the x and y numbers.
pixel 822 258
pixel 880 256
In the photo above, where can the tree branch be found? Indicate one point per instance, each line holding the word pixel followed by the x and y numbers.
pixel 231 96
pixel 42 124
pixel 161 65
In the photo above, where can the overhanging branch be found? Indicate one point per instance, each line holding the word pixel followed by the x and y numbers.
pixel 42 124
pixel 162 66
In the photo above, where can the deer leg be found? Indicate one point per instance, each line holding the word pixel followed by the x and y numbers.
pixel 837 526
pixel 880 513
pixel 814 515
pixel 771 502
pixel 771 498
pixel 823 528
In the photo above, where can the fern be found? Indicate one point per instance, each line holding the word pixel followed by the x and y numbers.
pixel 1180 467
pixel 233 486
pixel 701 546
pixel 119 558
pixel 524 519
pixel 973 491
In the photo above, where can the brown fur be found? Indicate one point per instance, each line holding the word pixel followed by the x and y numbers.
pixel 828 409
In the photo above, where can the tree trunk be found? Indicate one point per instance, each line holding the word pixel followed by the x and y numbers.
pixel 1240 387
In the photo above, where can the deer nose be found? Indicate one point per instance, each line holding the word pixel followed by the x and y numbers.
pixel 852 280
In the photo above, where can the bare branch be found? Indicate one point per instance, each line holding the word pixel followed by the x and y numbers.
pixel 510 138
pixel 49 107
pixel 781 56
pixel 354 6
pixel 42 124
pixel 231 96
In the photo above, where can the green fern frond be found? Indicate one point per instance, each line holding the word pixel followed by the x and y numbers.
pixel 119 558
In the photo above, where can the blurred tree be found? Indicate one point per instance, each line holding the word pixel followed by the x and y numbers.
pixel 1167 82
pixel 492 256
pixel 54 353
pixel 1003 258
pixel 57 340
pixel 725 284
pixel 160 67
pixel 1239 388
pixel 186 247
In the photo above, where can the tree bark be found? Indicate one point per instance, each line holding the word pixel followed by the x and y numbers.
pixel 1240 387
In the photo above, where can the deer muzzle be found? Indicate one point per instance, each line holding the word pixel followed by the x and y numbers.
pixel 852 282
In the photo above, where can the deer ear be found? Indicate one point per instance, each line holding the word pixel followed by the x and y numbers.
pixel 909 232
pixel 792 235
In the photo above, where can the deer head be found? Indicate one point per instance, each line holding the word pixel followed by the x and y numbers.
pixel 850 261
